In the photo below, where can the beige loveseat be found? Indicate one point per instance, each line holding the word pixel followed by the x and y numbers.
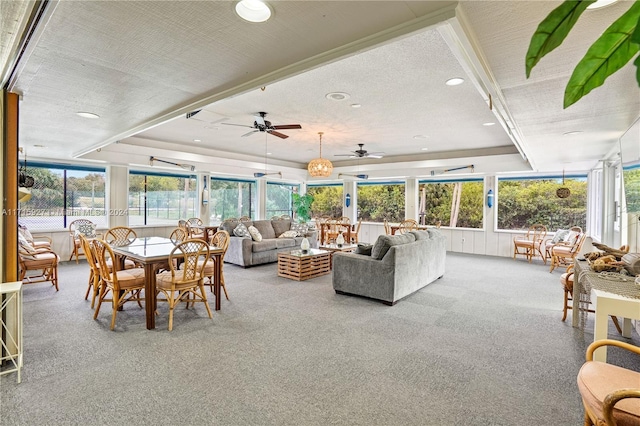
pixel 244 251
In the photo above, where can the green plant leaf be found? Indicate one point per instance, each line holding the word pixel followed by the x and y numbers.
pixel 553 30
pixel 607 55
pixel 635 38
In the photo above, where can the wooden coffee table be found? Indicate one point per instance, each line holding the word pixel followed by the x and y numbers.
pixel 333 248
pixel 300 266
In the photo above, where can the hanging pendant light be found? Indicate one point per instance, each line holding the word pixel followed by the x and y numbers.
pixel 563 192
pixel 320 167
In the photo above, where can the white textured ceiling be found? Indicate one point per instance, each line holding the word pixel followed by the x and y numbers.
pixel 141 65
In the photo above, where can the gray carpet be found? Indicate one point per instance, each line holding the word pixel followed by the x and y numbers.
pixel 482 346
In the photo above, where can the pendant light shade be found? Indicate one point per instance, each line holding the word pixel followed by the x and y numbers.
pixel 320 167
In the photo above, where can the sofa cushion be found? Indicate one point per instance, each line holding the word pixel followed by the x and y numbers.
pixel 241 230
pixel 265 228
pixel 385 242
pixel 285 242
pixel 264 245
pixel 420 235
pixel 280 226
pixel 288 234
pixel 364 249
pixel 255 234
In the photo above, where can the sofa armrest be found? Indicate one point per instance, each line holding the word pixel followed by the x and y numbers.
pixel 239 251
pixel 363 275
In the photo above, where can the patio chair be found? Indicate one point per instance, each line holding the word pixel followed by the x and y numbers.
pixel 560 235
pixel 563 253
pixel 42 260
pixel 530 245
pixel 77 227
pixel 609 393
pixel 120 236
pixel 178 285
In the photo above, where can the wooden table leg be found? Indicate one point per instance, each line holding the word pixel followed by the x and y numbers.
pixel 150 294
pixel 218 279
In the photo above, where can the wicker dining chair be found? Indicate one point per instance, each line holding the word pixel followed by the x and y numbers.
pixel 120 236
pixel 187 283
pixel 124 285
pixel 530 245
pixel 407 225
pixel 221 240
pixel 77 227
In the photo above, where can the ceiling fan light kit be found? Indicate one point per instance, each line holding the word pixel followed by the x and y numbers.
pixel 320 167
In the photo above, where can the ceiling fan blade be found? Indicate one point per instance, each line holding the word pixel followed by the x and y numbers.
pixel 249 133
pixel 376 155
pixel 287 126
pixel 278 134
pixel 240 125
pixel 344 155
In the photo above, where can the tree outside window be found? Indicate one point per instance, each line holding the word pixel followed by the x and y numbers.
pixel 62 194
pixel 380 201
pixel 231 198
pixel 457 204
pixel 327 200
pixel 525 202
pixel 279 200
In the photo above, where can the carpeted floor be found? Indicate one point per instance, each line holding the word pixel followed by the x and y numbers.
pixel 484 345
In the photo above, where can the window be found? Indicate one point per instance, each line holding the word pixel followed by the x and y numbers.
pixel 457 204
pixel 61 194
pixel 279 200
pixel 525 202
pixel 327 200
pixel 380 201
pixel 231 198
pixel 161 199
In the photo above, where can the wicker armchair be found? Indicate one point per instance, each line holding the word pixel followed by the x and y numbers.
pixel 530 245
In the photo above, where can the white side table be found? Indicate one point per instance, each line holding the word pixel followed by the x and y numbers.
pixel 11 306
pixel 606 304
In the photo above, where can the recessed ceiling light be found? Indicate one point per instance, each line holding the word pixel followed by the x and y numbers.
pixel 253 10
pixel 425 149
pixel 337 96
pixel 600 4
pixel 420 137
pixel 454 81
pixel 575 132
pixel 87 114
pixel 489 123
pixel 268 153
pixel 355 105
pixel 197 140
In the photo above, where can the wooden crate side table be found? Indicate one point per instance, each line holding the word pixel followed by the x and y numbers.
pixel 11 308
pixel 300 267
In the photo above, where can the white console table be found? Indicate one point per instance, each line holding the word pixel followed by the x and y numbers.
pixel 11 307
pixel 606 304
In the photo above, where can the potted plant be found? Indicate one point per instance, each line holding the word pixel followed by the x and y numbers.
pixel 302 207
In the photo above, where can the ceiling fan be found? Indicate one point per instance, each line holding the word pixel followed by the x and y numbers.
pixel 262 125
pixel 362 153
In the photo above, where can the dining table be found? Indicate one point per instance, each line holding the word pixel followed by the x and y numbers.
pixel 153 252
pixel 325 227
pixel 395 227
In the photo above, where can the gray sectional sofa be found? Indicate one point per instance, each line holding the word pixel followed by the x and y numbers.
pixel 244 251
pixel 398 266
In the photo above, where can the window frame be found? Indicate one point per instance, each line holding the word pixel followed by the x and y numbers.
pixel 382 183
pixel 481 180
pixel 295 187
pixel 253 191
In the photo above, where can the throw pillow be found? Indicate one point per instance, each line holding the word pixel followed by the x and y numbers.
pixel 255 234
pixel 25 247
pixel 571 237
pixel 25 233
pixel 241 230
pixel 86 229
pixel 560 235
pixel 385 242
pixel 364 249
pixel 288 234
pixel 300 228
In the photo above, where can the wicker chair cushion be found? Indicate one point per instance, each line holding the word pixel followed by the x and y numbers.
pixel 130 278
pixel 597 379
